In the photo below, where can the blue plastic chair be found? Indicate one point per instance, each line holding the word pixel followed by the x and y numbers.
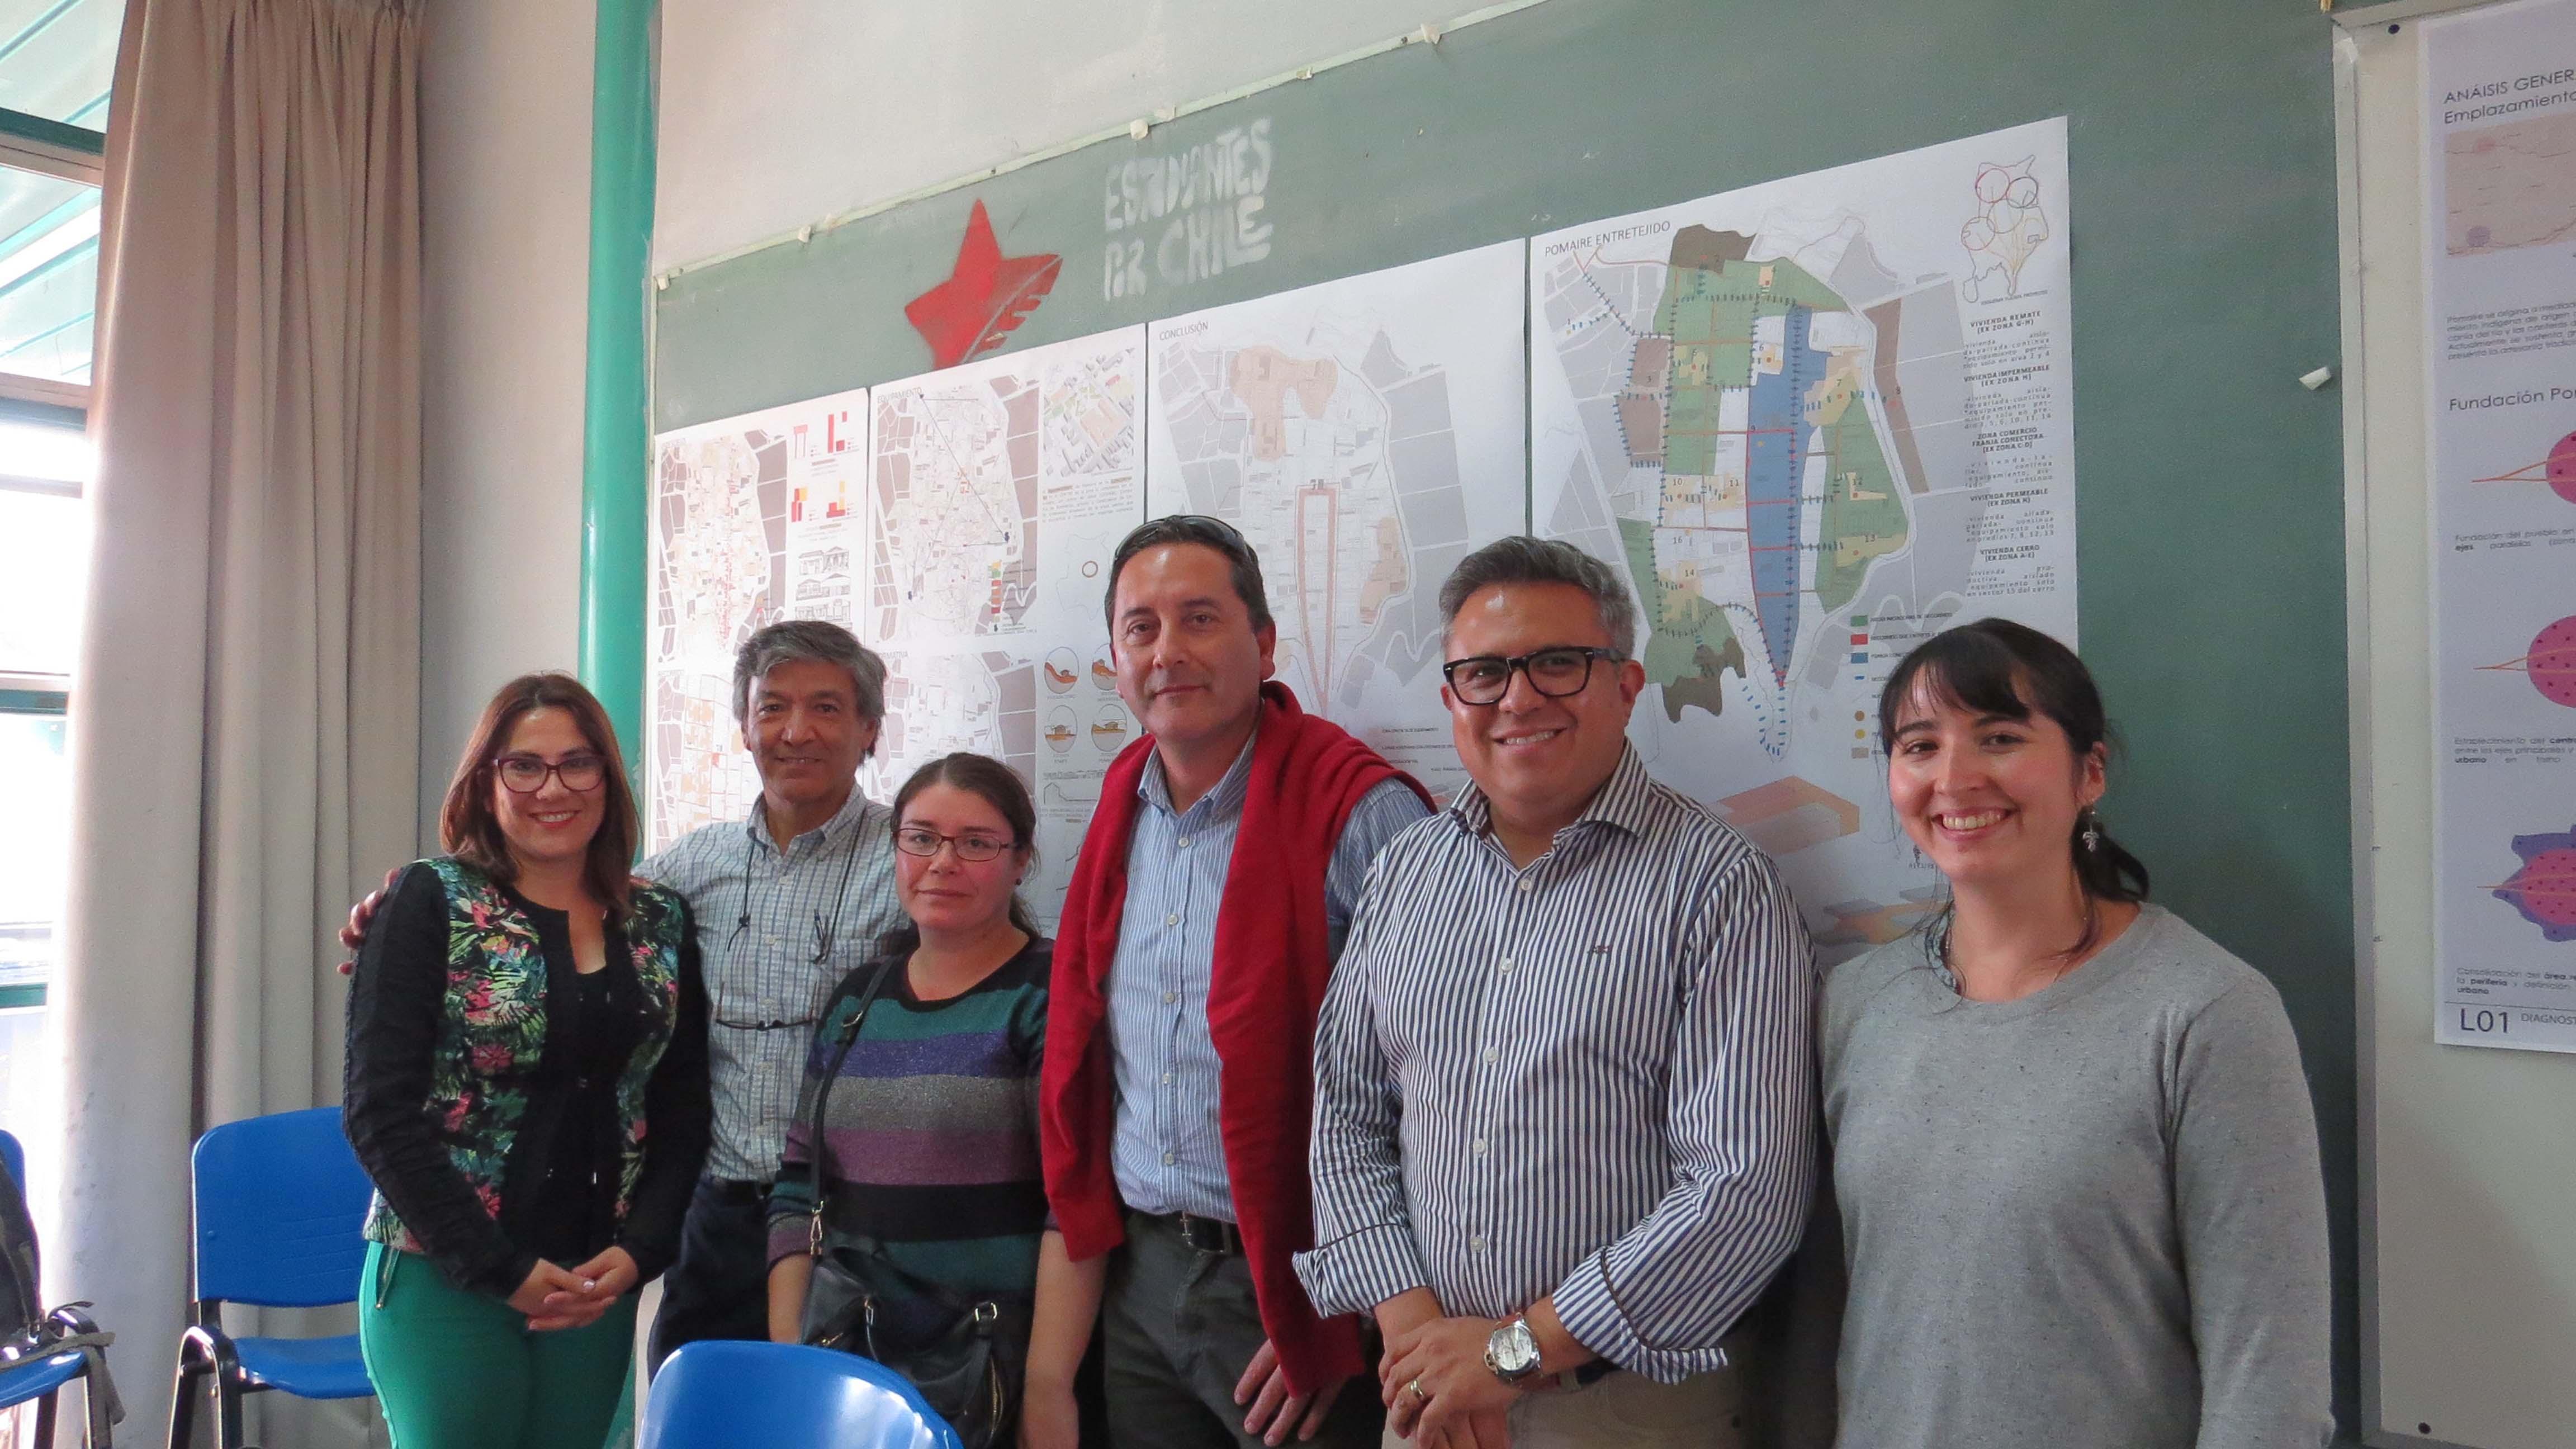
pixel 720 1394
pixel 280 1201
pixel 41 1379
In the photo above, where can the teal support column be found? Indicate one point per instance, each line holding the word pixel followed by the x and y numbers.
pixel 616 454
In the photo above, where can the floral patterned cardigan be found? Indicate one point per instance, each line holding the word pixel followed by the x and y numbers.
pixel 447 1024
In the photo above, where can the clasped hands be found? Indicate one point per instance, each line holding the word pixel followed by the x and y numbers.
pixel 556 1298
pixel 1437 1388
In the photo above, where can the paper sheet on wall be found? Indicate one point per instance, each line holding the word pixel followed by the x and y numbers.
pixel 1814 422
pixel 996 493
pixel 1364 434
pixel 754 519
pixel 2500 375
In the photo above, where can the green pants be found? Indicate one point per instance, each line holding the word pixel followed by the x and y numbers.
pixel 457 1370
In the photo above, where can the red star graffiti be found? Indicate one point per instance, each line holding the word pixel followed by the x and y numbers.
pixel 984 298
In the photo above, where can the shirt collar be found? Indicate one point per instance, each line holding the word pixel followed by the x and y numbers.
pixel 1623 802
pixel 1225 799
pixel 843 821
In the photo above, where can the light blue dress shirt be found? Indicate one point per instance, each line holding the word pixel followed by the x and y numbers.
pixel 1165 1149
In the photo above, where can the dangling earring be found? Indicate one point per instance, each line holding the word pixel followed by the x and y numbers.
pixel 2092 831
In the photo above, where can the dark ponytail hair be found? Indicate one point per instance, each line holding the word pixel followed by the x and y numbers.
pixel 1000 787
pixel 1998 667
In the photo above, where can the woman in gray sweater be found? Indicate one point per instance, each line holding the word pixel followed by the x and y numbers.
pixel 2074 1152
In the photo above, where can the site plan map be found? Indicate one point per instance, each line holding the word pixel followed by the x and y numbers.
pixel 1814 422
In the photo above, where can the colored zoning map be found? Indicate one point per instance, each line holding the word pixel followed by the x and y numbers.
pixel 1814 422
pixel 754 519
pixel 1365 435
pixel 996 493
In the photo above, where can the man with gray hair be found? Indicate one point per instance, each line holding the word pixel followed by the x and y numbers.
pixel 785 903
pixel 1564 1092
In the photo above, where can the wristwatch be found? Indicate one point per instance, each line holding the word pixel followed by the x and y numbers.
pixel 1512 1352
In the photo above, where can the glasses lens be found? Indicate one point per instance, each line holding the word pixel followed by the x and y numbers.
pixel 522 774
pixel 1559 671
pixel 917 842
pixel 582 772
pixel 1480 681
pixel 979 847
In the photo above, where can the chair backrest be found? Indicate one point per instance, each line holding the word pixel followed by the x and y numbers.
pixel 14 1157
pixel 280 1201
pixel 716 1393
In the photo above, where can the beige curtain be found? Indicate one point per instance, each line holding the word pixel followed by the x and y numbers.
pixel 245 722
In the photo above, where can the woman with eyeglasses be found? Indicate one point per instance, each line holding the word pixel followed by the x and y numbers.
pixel 527 1086
pixel 924 1075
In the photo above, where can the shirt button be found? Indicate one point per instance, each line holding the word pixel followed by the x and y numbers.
pixel 1480 1147
pixel 1477 1242
pixel 1173 919
pixel 1170 996
pixel 1170 1157
pixel 1185 842
pixel 774 940
pixel 1492 1055
pixel 1507 964
pixel 1527 885
pixel 1167 1077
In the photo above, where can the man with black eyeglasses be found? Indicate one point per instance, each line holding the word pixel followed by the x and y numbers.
pixel 1564 1102
pixel 785 902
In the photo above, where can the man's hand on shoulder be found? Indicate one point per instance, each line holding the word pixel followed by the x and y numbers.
pixel 354 934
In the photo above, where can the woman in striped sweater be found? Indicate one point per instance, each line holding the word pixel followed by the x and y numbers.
pixel 931 1131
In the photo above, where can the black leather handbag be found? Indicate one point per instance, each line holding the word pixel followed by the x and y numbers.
pixel 965 1355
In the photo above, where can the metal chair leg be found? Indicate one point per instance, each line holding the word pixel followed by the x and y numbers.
pixel 183 1401
pixel 205 1351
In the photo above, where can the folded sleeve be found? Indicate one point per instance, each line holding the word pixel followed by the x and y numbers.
pixel 1742 1105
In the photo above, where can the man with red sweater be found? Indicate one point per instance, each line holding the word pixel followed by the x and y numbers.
pixel 1188 974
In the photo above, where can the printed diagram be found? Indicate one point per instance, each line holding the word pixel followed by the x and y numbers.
pixel 2508 186
pixel 956 486
pixel 2558 470
pixel 1811 431
pixel 2007 228
pixel 995 493
pixel 1061 671
pixel 2551 662
pixel 754 519
pixel 1750 396
pixel 1364 436
pixel 2544 890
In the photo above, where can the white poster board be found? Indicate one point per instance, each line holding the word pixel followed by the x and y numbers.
pixel 1364 434
pixel 2499 245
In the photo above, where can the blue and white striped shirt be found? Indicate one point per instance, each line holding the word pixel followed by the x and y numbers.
pixel 1165 1149
pixel 1591 1078
pixel 776 933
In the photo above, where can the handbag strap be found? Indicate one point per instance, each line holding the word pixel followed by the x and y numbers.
pixel 823 1090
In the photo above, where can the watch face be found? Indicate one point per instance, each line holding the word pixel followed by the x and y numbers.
pixel 1515 1348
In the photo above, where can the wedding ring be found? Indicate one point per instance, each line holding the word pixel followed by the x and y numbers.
pixel 589 1284
pixel 1415 1388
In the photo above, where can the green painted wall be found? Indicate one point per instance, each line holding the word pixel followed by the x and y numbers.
pixel 2203 223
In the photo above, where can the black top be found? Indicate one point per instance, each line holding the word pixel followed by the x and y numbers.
pixel 559 1183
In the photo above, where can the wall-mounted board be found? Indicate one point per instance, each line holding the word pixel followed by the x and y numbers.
pixel 2200 162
